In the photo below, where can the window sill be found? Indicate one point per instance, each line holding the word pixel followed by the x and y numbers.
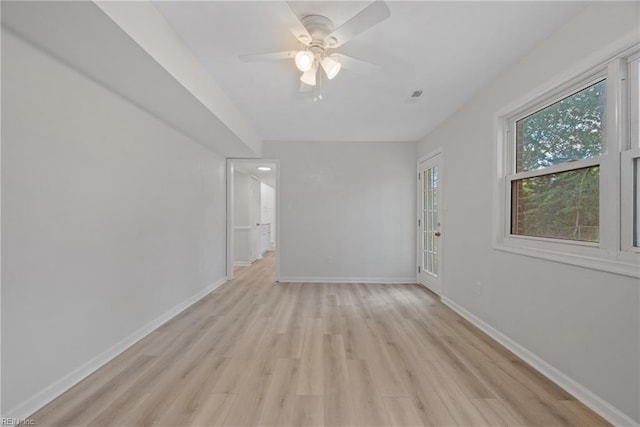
pixel 624 263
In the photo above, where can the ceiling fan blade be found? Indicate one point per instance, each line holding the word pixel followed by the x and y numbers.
pixel 356 65
pixel 289 18
pixel 274 56
pixel 371 15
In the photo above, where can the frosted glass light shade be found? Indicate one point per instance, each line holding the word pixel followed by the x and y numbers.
pixel 330 66
pixel 304 60
pixel 309 77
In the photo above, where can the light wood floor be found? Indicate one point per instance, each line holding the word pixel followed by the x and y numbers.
pixel 255 352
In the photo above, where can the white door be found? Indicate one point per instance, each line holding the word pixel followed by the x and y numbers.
pixel 254 217
pixel 429 223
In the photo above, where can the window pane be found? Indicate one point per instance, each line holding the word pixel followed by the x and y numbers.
pixel 561 205
pixel 570 129
pixel 435 264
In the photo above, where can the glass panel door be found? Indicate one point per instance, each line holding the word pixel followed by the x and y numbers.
pixel 430 220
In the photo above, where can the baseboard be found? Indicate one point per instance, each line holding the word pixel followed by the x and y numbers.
pixel 390 280
pixel 241 264
pixel 577 390
pixel 30 406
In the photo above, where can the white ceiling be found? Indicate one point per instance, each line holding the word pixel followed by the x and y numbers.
pixel 447 49
pixel 251 168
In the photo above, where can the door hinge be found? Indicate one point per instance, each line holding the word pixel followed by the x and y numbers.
pixel 418 222
pixel 419 176
pixel 418 269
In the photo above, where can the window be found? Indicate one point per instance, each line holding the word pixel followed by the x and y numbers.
pixel 631 163
pixel 568 179
pixel 563 204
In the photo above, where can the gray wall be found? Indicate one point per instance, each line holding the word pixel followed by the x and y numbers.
pixel 241 222
pixel 582 322
pixel 110 218
pixel 347 210
pixel 240 199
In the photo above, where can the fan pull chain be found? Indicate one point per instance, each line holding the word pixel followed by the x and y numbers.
pixel 317 96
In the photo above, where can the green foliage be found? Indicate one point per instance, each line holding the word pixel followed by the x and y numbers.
pixel 562 205
pixel 570 129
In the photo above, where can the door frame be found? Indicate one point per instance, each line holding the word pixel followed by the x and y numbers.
pixel 419 194
pixel 231 162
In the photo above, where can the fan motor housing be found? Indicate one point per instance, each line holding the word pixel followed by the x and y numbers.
pixel 319 27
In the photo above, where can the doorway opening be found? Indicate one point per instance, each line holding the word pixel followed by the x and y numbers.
pixel 252 213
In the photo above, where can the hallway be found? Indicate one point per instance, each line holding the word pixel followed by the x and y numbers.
pixel 255 352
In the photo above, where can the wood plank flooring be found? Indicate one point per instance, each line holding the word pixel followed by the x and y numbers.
pixel 255 352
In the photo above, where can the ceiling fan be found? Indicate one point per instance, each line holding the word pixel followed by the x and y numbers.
pixel 318 38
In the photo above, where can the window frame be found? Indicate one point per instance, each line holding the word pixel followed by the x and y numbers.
pixel 630 163
pixel 630 180
pixel 615 251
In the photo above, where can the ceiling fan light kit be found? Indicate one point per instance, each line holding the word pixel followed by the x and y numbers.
pixel 317 35
pixel 304 60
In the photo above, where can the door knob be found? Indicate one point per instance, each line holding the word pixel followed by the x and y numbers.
pixel 437 234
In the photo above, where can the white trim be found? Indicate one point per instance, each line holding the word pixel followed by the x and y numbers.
pixel 625 264
pixel 426 157
pixel 241 228
pixel 372 280
pixel 278 242
pixel 229 219
pixel 242 263
pixel 562 167
pixel 43 397
pixel 577 390
pixel 0 235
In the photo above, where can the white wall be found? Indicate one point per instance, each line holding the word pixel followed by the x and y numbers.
pixel 268 208
pixel 110 218
pixel 583 322
pixel 347 210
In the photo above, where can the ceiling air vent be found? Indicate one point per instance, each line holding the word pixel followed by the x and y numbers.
pixel 415 96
